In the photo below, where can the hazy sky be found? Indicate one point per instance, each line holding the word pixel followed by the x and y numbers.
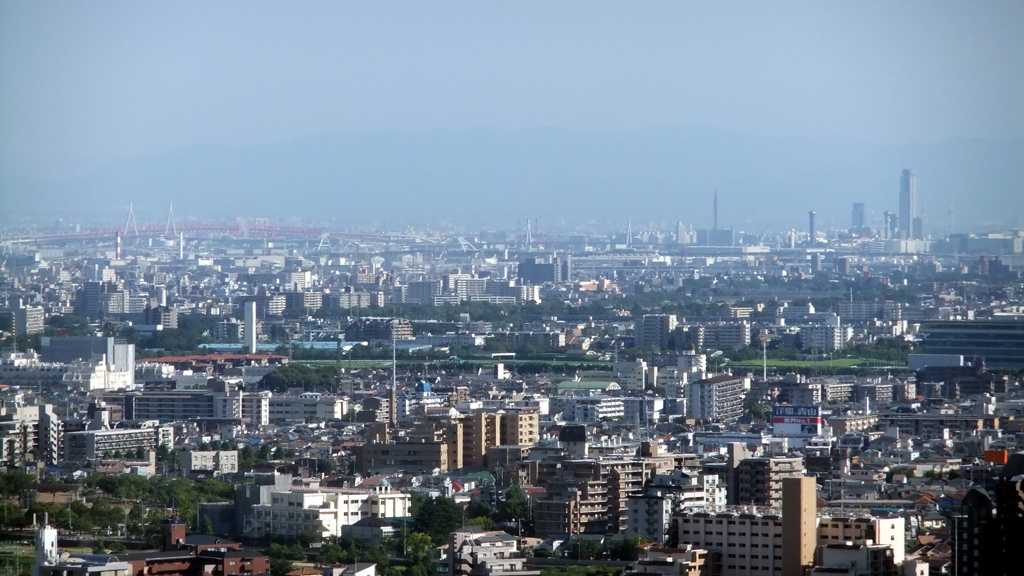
pixel 85 82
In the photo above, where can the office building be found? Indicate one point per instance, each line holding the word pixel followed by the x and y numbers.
pixel 858 221
pixel 306 407
pixel 999 342
pixel 410 457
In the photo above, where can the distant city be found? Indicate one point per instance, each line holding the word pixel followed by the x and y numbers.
pixel 573 395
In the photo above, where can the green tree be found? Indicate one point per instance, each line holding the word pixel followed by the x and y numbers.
pixel 478 508
pixel 438 517
pixel 484 522
pixel 516 508
pixel 281 566
pixel 419 560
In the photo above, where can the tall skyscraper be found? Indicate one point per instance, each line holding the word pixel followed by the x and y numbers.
pixel 858 215
pixel 908 204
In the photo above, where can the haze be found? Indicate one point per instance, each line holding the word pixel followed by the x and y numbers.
pixel 86 84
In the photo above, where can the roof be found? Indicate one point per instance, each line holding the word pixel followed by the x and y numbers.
pixel 371 522
pixel 573 434
pixel 588 385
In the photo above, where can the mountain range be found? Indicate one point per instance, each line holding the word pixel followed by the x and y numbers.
pixel 567 179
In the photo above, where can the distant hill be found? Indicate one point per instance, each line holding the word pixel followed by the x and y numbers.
pixel 492 177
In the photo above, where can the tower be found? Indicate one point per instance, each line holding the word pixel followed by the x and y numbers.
pixel 250 327
pixel 810 227
pixel 715 206
pixel 46 547
pixel 908 204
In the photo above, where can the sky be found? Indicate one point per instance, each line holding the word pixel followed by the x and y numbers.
pixel 86 83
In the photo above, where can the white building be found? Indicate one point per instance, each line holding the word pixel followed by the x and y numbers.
pixel 307 407
pixel 641 409
pixel 630 375
pixel 325 511
pixel 597 408
pixel 211 461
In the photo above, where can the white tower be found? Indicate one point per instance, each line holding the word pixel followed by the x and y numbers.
pixel 46 548
pixel 250 327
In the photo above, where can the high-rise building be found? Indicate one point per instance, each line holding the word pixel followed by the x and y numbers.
pixel 908 203
pixel 858 216
pixel 250 327
pixel 653 330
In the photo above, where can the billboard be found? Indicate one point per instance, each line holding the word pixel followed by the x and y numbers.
pixel 796 420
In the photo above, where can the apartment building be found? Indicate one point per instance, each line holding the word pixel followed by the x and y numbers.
pixel 719 399
pixel 92 444
pixel 480 431
pixel 519 427
pixel 27 430
pixel 649 515
pixel 750 543
pixel 597 408
pixel 589 496
pixel 653 330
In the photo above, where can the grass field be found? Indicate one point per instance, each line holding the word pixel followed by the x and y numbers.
pixel 835 363
pixel 485 362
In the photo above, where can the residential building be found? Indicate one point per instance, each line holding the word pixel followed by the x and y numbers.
pixel 719 399
pixel 654 330
pixel 474 552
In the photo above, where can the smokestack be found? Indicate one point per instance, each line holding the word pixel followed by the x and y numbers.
pixel 250 327
pixel 811 227
pixel 118 256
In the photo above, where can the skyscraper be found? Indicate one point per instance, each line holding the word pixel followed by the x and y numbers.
pixel 908 203
pixel 858 216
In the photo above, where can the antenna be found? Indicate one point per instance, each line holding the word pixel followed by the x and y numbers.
pixel 171 226
pixel 131 222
